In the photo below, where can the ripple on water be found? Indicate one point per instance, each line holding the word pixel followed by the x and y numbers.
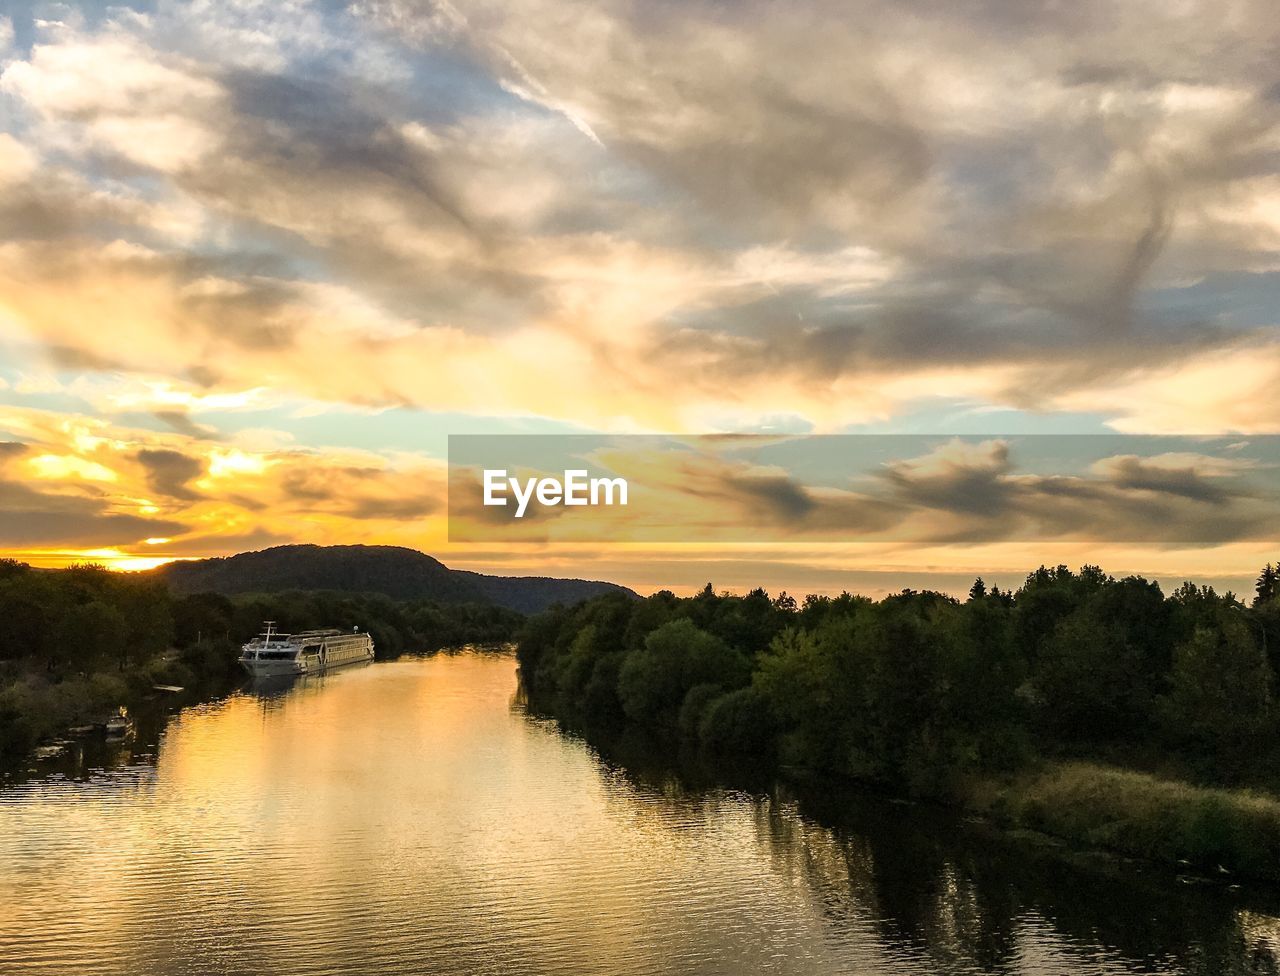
pixel 405 818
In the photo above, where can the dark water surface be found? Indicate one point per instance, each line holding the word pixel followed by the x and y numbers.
pixel 407 817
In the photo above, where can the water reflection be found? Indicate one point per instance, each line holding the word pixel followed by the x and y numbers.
pixel 408 818
pixel 948 896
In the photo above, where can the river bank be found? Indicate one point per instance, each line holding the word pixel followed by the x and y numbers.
pixel 43 710
pixel 80 643
pixel 1079 810
pixel 1093 710
pixel 44 715
pixel 1224 833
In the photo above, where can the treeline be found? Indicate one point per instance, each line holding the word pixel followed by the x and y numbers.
pixel 79 641
pixel 926 692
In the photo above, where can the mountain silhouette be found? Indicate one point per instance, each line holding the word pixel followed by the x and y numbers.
pixel 398 572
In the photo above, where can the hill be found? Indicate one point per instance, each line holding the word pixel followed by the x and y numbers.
pixel 401 573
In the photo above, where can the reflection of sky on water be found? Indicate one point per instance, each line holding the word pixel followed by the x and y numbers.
pixel 408 817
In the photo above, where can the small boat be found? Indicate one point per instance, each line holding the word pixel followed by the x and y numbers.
pixel 118 725
pixel 307 652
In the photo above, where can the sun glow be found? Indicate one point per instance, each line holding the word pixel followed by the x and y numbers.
pixel 56 467
pixel 234 462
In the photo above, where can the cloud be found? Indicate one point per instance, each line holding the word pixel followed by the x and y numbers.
pixel 169 472
pixel 148 114
pixel 962 478
pixel 966 492
pixel 1130 472
pixel 31 517
pixel 47 526
pixel 77 486
pixel 957 492
pixel 1229 389
pixel 362 492
pixel 849 230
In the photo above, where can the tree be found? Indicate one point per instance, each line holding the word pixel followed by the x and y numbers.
pixel 24 627
pixel 800 677
pixel 785 603
pixel 922 691
pixel 90 633
pixel 202 616
pixel 12 567
pixel 1221 695
pixel 1268 586
pixel 739 722
pixel 1089 678
pixel 678 655
pixel 148 616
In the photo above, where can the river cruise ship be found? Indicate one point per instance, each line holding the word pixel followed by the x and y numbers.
pixel 307 652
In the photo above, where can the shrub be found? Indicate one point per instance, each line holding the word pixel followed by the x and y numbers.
pixel 695 707
pixel 739 723
pixel 678 655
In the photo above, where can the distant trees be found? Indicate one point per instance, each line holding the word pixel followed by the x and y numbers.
pixel 80 619
pixel 920 689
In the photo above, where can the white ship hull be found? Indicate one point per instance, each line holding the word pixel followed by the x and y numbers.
pixel 310 652
pixel 275 669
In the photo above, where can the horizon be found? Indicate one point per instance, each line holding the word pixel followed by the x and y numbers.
pixel 838 581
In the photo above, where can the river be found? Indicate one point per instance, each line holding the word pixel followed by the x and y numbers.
pixel 410 817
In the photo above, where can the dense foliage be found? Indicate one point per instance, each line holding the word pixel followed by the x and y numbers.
pixel 925 691
pixel 77 642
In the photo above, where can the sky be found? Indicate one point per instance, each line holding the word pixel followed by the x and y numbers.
pixel 259 259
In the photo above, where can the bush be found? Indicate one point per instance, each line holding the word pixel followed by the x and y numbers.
pixel 678 655
pixel 739 723
pixel 695 707
pixel 35 708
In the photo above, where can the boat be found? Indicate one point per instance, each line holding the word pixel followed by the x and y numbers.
pixel 307 652
pixel 118 725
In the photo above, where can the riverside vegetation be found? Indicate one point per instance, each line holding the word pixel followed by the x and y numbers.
pixel 1087 707
pixel 79 642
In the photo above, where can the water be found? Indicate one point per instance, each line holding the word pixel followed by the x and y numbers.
pixel 409 817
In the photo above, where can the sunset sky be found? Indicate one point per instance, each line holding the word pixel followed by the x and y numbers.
pixel 258 259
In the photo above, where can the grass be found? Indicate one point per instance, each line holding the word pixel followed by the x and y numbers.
pixel 1213 830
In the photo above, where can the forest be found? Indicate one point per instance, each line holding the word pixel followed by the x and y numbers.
pixel 1075 695
pixel 77 642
